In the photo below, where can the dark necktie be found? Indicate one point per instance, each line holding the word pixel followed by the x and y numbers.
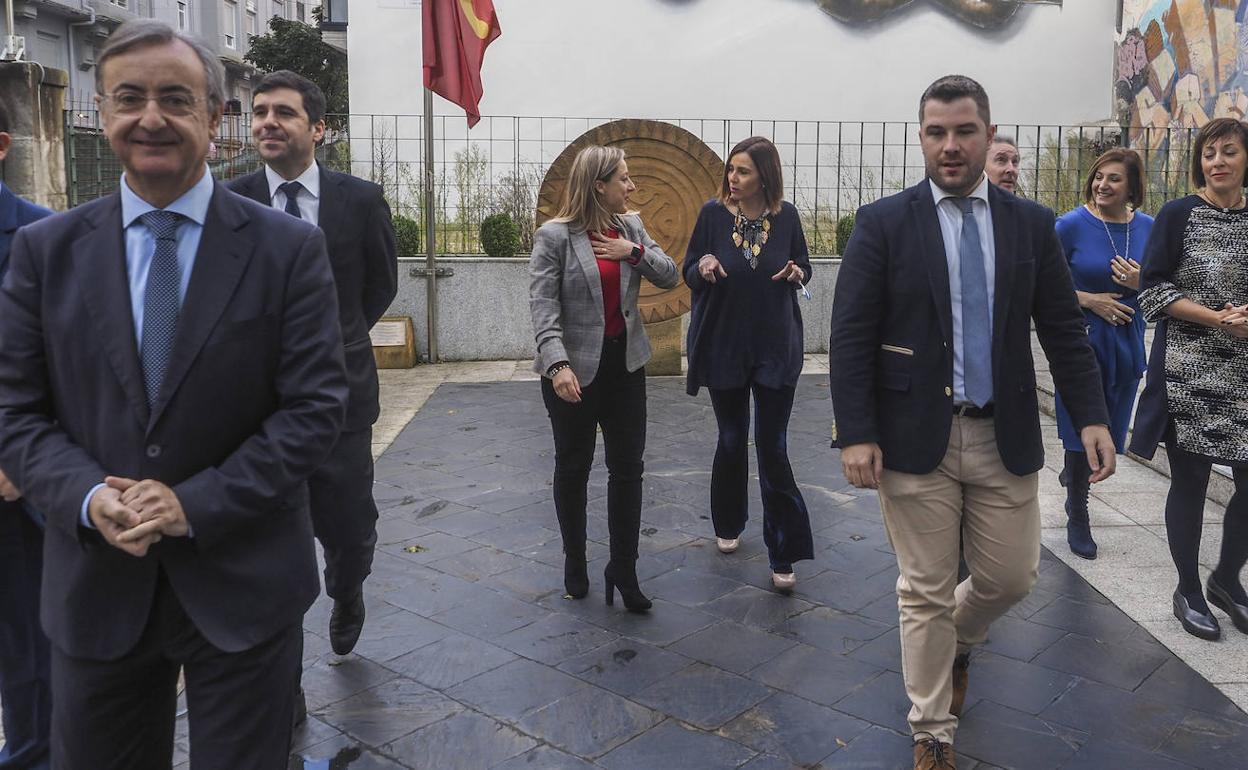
pixel 161 300
pixel 292 198
pixel 976 326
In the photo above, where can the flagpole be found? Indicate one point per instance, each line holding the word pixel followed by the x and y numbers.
pixel 431 264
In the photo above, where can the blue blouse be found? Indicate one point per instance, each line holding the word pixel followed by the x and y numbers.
pixel 1089 250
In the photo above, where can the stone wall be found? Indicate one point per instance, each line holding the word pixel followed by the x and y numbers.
pixel 33 99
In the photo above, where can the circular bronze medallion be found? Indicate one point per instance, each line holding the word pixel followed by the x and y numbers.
pixel 675 173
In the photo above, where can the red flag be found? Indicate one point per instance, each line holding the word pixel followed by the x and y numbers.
pixel 455 36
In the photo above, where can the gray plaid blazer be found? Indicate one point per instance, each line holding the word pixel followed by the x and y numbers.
pixel 565 297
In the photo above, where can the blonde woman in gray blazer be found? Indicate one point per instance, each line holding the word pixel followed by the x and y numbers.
pixel 584 277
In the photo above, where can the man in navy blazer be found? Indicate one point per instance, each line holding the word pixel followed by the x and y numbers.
pixel 287 123
pixel 25 681
pixel 934 393
pixel 170 374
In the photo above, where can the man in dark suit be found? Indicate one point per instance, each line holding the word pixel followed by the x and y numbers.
pixel 935 394
pixel 25 681
pixel 287 123
pixel 170 373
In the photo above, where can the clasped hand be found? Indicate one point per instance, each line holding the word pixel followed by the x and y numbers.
pixel 616 249
pixel 134 515
pixel 1233 319
pixel 1125 272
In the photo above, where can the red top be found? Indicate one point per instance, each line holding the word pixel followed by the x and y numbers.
pixel 609 270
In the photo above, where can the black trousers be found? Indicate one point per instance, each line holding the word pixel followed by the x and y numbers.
pixel 119 714
pixel 616 402
pixel 25 676
pixel 344 515
pixel 786 523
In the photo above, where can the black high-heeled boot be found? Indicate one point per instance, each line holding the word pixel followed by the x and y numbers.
pixel 575 575
pixel 1076 478
pixel 623 575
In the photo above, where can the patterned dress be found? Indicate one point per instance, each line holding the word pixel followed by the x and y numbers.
pixel 1197 374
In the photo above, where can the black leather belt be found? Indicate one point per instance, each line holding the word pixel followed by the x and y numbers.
pixel 970 410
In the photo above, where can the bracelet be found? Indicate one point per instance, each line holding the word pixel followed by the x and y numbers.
pixel 556 368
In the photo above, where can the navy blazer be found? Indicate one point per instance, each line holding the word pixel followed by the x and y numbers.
pixel 16 212
pixel 891 351
pixel 252 401
pixel 359 234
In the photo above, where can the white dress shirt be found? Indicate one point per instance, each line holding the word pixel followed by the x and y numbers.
pixel 309 197
pixel 950 216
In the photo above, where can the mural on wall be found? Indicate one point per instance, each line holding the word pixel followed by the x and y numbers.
pixel 985 14
pixel 1180 63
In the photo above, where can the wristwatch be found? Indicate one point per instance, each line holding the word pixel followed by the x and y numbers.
pixel 635 254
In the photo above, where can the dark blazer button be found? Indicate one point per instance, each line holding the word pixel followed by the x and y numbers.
pixel 626 314
pixel 153 451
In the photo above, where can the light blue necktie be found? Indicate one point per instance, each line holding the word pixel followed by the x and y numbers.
pixel 160 300
pixel 976 323
pixel 292 198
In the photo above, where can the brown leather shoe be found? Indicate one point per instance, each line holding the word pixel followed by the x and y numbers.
pixel 932 754
pixel 961 678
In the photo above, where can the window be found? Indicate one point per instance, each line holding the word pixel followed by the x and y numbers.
pixel 183 16
pixel 301 12
pixel 229 24
pixel 251 24
pixel 120 3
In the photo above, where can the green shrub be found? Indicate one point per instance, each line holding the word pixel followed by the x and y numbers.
pixel 844 227
pixel 407 235
pixel 499 236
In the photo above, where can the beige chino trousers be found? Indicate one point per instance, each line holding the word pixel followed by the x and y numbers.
pixel 999 515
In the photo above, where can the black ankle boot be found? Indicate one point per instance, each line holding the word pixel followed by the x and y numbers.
pixel 1075 477
pixel 575 576
pixel 623 575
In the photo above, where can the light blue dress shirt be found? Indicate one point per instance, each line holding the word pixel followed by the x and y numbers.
pixel 950 217
pixel 141 247
pixel 309 200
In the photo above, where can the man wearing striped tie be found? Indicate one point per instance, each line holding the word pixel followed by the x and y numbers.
pixel 287 124
pixel 934 392
pixel 170 374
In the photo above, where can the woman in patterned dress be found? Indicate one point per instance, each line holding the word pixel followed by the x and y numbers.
pixel 1195 284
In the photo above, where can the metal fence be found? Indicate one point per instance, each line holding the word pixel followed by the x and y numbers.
pixel 831 167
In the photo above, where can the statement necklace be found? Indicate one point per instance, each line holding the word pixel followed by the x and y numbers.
pixel 1113 246
pixel 749 235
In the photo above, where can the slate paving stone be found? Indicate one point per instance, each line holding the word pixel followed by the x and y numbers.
pixel 464 740
pixel 396 634
pixel 555 638
pixel 673 746
pixel 795 729
pixel 389 711
pixel 688 586
pixel 814 674
pixel 1020 639
pixel 589 722
pixel 452 660
pixel 1099 754
pixel 830 630
pixel 514 689
pixel 756 607
pixel 1208 741
pixel 703 696
pixel 1027 687
pixel 1103 662
pixel 490 615
pixel 732 646
pixel 625 666
pixel 880 749
pixel 1114 714
pixel 469 481
pixel 1008 738
pixel 544 758
pixel 881 701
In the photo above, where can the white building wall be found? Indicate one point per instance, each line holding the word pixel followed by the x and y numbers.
pixel 775 59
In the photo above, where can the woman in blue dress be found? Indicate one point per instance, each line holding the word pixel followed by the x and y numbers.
pixel 1104 242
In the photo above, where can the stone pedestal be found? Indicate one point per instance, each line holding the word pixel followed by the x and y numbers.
pixel 33 100
pixel 666 338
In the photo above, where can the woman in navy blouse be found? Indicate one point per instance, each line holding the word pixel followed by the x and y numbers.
pixel 746 264
pixel 1104 243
